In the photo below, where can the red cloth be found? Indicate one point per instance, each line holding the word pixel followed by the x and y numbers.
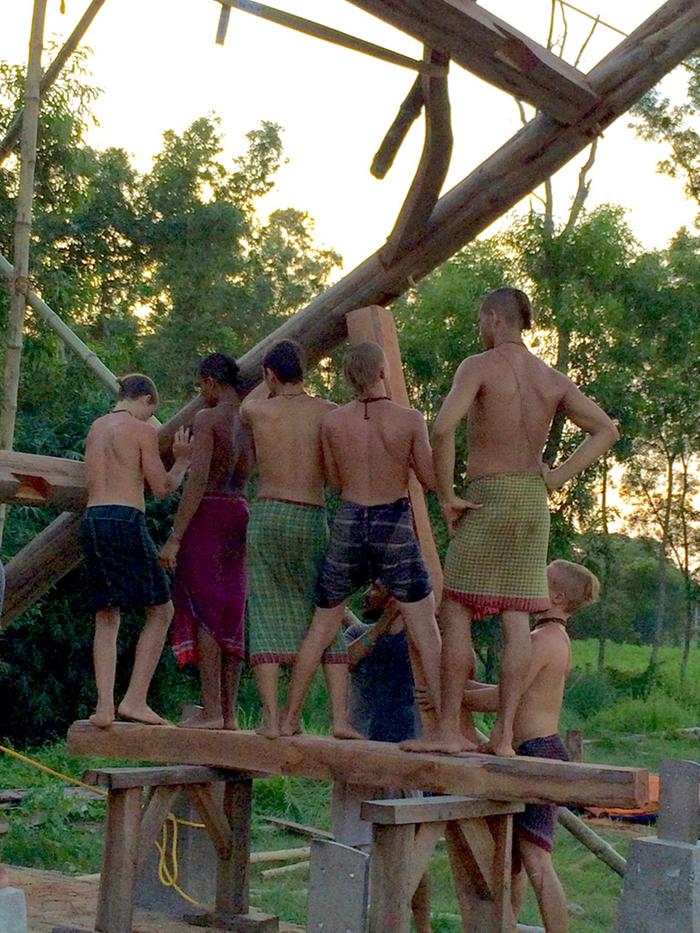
pixel 210 578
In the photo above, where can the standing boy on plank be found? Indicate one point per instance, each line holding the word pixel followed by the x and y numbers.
pixel 288 533
pixel 121 451
pixel 207 547
pixel 496 561
pixel 370 446
pixel 571 586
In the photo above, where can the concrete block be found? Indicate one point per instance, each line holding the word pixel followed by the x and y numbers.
pixel 13 911
pixel 338 889
pixel 661 891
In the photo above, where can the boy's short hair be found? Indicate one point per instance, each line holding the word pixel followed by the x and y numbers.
pixel 363 364
pixel 220 367
pixel 286 360
pixel 580 585
pixel 136 385
pixel 513 304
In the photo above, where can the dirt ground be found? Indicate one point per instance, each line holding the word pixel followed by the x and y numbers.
pixel 60 900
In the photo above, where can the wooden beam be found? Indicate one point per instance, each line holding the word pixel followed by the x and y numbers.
pixel 12 134
pixel 524 162
pixel 121 778
pixel 434 809
pixel 409 111
pixel 493 50
pixel 328 34
pixel 30 479
pixel 375 764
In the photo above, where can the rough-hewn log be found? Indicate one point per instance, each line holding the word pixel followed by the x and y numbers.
pixel 532 155
pixel 28 479
pixel 409 111
pixel 432 168
pixel 12 134
pixel 592 841
pixel 493 50
pixel 374 764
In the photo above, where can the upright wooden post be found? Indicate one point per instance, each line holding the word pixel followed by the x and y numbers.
pixel 390 874
pixel 23 226
pixel 233 881
pixel 119 865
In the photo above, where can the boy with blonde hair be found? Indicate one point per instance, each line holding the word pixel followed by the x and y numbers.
pixel 571 586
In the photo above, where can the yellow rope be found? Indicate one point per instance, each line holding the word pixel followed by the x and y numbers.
pixel 166 875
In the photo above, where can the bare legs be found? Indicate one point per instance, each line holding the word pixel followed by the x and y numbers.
pixel 219 674
pixel 148 651
pixel 337 684
pixel 515 661
pixel 104 654
pixel 323 629
pixel 267 678
pixel 419 619
pixel 457 661
pixel 550 894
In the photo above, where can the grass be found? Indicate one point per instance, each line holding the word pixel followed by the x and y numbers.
pixel 65 833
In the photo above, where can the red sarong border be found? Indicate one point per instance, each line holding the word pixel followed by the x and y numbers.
pixel 484 605
pixel 186 653
pixel 273 657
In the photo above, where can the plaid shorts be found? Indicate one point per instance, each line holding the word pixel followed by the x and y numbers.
pixel 374 542
pixel 121 558
pixel 537 822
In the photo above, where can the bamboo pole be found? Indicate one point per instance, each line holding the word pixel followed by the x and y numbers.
pixel 592 841
pixel 9 141
pixel 23 228
pixel 525 161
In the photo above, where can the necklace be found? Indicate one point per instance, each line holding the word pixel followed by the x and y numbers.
pixel 368 401
pixel 547 620
pixel 291 394
pixel 518 343
pixel 122 411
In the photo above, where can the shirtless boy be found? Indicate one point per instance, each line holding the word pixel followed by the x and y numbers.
pixel 207 547
pixel 536 734
pixel 288 533
pixel 121 451
pixel 369 446
pixel 496 561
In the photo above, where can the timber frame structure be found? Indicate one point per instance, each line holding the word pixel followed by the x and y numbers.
pixel 572 110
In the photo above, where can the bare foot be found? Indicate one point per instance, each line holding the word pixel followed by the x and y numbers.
pixel 202 720
pixel 441 743
pixel 4 877
pixel 270 726
pixel 102 717
pixel 346 731
pixel 501 749
pixel 289 725
pixel 143 714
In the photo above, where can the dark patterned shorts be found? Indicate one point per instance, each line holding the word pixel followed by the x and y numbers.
pixel 375 542
pixel 121 558
pixel 537 822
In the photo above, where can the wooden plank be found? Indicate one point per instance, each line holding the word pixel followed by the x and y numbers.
pixel 119 863
pixel 679 817
pixel 502 829
pixel 376 764
pixel 493 50
pixel 328 34
pixel 520 165
pixel 390 879
pixel 213 818
pixel 121 778
pixel 152 819
pixel 427 837
pixel 233 872
pixel 29 479
pixel 434 809
pixel 290 826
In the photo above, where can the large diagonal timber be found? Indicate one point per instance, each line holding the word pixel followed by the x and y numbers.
pixel 30 479
pixel 373 764
pixel 493 50
pixel 524 162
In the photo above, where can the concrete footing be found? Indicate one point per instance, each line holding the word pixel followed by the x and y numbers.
pixel 661 893
pixel 13 911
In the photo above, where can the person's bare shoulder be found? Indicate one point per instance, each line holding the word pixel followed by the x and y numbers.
pixel 554 643
pixel 206 417
pixel 323 405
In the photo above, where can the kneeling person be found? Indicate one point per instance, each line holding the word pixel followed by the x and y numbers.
pixel 121 451
pixel 370 445
pixel 571 586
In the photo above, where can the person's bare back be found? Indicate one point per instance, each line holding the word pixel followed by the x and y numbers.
pixel 287 436
pixel 370 447
pixel 228 470
pixel 540 706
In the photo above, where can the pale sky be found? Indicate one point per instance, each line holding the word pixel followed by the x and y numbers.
pixel 159 68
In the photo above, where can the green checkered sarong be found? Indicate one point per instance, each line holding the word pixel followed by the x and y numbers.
pixel 286 544
pixel 498 558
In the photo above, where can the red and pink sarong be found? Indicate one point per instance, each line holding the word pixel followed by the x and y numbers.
pixel 210 579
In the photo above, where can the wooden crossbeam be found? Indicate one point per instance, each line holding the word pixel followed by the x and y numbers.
pixel 493 50
pixel 374 764
pixel 30 479
pixel 434 809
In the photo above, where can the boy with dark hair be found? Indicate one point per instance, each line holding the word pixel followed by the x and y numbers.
pixel 121 451
pixel 368 454
pixel 288 533
pixel 571 586
pixel 207 547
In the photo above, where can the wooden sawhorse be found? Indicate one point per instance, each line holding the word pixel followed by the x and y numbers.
pixel 133 825
pixel 479 836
